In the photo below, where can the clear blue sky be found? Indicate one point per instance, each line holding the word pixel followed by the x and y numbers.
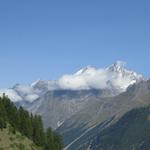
pixel 45 38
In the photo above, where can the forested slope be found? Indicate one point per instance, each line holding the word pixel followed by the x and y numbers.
pixel 18 120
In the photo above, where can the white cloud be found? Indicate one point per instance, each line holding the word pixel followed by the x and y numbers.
pixel 12 94
pixel 91 78
pixel 24 89
pixel 115 75
pixel 31 98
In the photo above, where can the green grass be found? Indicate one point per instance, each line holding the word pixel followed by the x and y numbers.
pixel 10 141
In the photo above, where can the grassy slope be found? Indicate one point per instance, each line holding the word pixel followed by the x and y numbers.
pixel 10 141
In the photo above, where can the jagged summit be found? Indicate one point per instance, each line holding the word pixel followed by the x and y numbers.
pixel 120 69
pixel 118 66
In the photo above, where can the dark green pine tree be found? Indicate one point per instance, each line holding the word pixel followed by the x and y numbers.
pixel 3 115
pixel 38 131
pixel 58 142
pixel 49 139
pixel 54 140
pixel 25 125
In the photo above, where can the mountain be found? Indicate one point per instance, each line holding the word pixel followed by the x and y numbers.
pixel 81 128
pixel 76 104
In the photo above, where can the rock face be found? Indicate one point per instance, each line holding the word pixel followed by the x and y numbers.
pixel 59 105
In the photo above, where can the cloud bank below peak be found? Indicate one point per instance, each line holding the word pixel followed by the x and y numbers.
pixel 89 77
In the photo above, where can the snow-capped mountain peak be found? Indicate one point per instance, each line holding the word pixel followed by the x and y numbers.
pixel 122 77
pixel 120 70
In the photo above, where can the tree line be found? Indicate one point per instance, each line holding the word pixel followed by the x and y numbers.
pixel 28 125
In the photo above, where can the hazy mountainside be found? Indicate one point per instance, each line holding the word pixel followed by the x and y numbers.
pixel 132 131
pixel 78 127
pixel 57 106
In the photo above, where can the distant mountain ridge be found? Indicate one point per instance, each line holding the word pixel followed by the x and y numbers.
pixel 115 77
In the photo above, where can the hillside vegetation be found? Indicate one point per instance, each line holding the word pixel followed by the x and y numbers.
pixel 18 121
pixel 11 141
